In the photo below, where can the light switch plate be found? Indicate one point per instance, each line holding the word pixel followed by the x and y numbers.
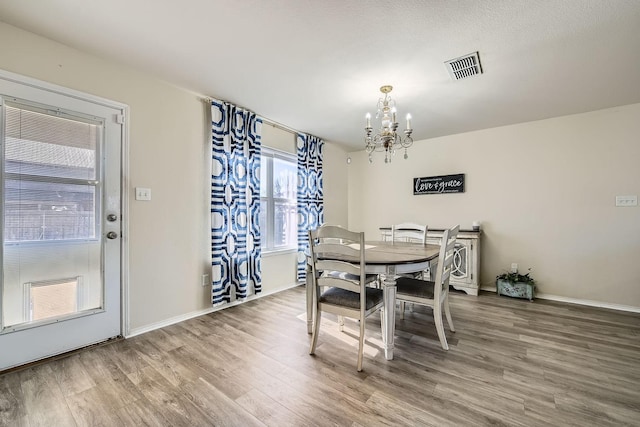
pixel 205 280
pixel 626 201
pixel 143 193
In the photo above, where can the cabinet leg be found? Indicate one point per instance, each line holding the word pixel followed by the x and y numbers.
pixel 468 291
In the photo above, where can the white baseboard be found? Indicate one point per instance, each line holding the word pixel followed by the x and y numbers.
pixel 191 315
pixel 586 302
pixel 177 319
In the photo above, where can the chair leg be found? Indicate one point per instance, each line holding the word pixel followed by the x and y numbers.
pixel 316 330
pixel 402 310
pixel 382 325
pixel 437 318
pixel 361 345
pixel 341 323
pixel 447 313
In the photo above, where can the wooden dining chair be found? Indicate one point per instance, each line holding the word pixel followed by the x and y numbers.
pixel 409 232
pixel 340 287
pixel 434 294
pixel 412 233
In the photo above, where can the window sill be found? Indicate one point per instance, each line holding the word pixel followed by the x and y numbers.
pixel 276 252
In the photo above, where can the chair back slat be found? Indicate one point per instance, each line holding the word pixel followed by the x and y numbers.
pixel 336 232
pixel 445 276
pixel 409 232
pixel 335 265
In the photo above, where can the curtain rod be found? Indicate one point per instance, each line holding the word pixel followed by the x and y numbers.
pixel 263 118
pixel 280 126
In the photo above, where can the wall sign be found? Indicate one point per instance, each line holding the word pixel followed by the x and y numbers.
pixel 439 184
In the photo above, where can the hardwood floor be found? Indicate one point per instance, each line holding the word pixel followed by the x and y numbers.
pixel 511 362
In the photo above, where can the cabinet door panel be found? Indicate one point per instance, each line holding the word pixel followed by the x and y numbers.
pixel 461 270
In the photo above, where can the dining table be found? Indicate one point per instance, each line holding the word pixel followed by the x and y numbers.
pixel 389 260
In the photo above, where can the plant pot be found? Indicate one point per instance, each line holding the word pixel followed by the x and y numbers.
pixel 515 289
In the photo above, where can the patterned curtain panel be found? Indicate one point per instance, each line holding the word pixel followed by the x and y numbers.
pixel 235 202
pixel 310 195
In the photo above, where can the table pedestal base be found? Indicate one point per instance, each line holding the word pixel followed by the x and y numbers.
pixel 389 323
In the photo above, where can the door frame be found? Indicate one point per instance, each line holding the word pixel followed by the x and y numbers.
pixel 123 119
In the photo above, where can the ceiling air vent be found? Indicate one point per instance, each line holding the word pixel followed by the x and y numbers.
pixel 465 66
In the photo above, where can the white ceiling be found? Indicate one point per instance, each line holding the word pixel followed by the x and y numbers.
pixel 316 66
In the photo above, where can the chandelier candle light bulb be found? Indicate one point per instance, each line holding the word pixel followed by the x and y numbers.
pixel 386 138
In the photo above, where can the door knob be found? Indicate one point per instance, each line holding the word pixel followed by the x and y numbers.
pixel 112 235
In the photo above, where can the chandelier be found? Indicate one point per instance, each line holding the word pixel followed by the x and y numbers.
pixel 387 139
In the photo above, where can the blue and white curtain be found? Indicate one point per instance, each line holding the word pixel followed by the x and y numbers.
pixel 310 195
pixel 235 202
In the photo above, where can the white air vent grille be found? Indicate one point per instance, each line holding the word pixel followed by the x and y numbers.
pixel 465 66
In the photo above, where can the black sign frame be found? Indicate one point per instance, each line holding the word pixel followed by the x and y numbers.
pixel 442 184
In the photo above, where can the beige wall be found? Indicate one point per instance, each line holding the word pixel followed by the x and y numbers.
pixel 335 185
pixel 544 192
pixel 169 235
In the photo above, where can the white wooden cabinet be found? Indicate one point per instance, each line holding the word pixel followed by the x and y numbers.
pixel 465 275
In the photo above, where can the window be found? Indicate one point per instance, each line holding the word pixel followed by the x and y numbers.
pixel 53 298
pixel 51 190
pixel 278 187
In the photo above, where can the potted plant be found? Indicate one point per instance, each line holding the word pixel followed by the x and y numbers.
pixel 516 285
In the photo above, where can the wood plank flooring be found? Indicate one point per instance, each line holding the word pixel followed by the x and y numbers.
pixel 511 363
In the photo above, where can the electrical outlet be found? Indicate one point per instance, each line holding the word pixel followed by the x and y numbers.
pixel 626 201
pixel 514 267
pixel 205 280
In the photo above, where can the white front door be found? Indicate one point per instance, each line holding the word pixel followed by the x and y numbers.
pixel 61 155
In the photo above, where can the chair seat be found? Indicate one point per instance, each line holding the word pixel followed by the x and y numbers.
pixel 343 297
pixel 415 287
pixel 415 274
